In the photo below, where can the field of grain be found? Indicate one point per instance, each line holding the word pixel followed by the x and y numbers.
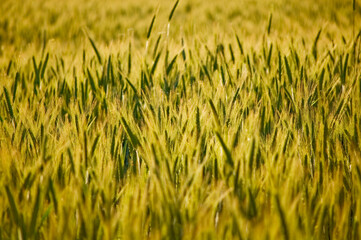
pixel 187 119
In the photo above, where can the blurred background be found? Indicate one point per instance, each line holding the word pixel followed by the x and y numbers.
pixel 108 21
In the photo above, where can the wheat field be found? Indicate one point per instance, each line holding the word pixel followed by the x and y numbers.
pixel 180 119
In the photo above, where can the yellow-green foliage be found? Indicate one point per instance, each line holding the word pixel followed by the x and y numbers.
pixel 180 120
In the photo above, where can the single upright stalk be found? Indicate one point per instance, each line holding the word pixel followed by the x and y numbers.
pixel 353 33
